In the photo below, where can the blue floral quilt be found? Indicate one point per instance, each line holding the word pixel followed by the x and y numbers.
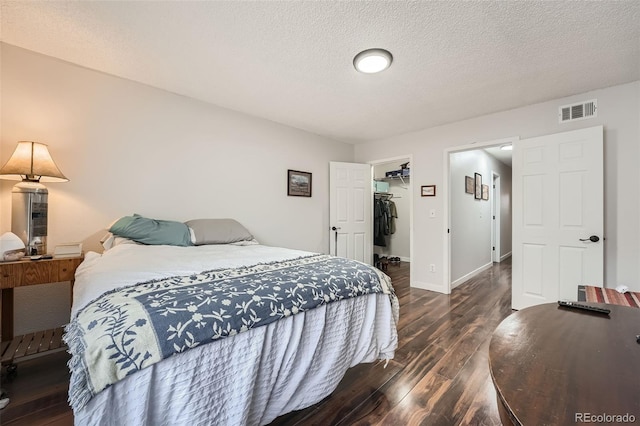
pixel 134 327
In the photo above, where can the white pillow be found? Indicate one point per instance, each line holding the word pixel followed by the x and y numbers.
pixel 109 241
pixel 245 243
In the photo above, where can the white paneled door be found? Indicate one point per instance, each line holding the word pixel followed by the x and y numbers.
pixel 350 216
pixel 558 216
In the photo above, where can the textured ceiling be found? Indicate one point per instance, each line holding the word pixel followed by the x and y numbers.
pixel 291 62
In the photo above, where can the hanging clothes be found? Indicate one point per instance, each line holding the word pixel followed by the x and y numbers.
pixel 384 216
pixel 379 219
pixel 393 215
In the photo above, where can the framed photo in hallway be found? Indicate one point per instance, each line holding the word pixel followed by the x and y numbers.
pixel 468 184
pixel 485 192
pixel 478 186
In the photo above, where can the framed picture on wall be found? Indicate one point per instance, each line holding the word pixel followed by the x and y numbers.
pixel 485 192
pixel 468 184
pixel 298 183
pixel 428 190
pixel 478 186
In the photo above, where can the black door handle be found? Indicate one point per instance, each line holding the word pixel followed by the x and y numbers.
pixel 593 239
pixel 335 229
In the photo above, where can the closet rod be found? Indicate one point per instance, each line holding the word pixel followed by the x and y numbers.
pixel 386 194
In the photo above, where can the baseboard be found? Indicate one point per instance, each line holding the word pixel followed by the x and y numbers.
pixel 429 286
pixel 505 257
pixel 470 275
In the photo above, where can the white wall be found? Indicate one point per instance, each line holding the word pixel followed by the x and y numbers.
pixel 470 218
pixel 129 148
pixel 397 243
pixel 618 112
pixel 505 208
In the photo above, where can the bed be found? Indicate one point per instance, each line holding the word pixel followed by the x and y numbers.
pixel 246 373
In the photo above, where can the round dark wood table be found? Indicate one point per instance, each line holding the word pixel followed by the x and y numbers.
pixel 552 365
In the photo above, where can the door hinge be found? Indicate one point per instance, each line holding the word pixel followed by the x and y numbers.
pixel 493 248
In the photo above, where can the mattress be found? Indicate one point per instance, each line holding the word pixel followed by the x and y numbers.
pixel 250 378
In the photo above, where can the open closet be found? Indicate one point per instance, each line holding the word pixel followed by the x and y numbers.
pixel 391 213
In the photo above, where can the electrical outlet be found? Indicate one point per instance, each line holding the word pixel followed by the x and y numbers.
pixel 432 267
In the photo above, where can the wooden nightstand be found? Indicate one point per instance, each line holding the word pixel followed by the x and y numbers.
pixel 26 273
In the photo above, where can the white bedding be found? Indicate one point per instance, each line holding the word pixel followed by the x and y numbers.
pixel 251 378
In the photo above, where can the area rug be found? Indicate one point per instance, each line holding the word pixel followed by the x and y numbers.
pixel 588 293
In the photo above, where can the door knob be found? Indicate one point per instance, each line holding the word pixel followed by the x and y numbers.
pixel 333 228
pixel 593 239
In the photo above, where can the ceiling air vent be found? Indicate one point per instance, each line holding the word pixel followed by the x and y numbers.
pixel 579 111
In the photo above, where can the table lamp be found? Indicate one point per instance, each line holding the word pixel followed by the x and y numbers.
pixel 31 163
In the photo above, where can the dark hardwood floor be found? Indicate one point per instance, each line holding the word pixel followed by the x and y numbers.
pixel 440 373
pixel 39 393
pixel 439 376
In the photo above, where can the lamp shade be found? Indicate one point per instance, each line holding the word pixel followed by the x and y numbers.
pixel 32 162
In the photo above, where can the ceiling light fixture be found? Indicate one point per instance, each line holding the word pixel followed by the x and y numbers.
pixel 372 60
pixel 507 147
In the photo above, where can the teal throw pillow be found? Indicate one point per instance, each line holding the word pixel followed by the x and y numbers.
pixel 152 231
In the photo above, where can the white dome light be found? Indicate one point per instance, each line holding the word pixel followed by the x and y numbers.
pixel 372 60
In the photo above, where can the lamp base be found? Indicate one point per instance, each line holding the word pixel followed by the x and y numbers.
pixel 29 215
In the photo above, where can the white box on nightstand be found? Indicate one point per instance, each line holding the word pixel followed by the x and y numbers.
pixel 68 250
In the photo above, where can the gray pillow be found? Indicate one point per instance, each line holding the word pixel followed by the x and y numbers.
pixel 152 231
pixel 218 231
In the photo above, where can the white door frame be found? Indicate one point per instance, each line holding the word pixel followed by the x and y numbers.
pixel 495 217
pixel 409 194
pixel 447 211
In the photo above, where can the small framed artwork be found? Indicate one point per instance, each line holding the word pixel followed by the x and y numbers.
pixel 428 190
pixel 478 186
pixel 485 192
pixel 298 183
pixel 468 184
